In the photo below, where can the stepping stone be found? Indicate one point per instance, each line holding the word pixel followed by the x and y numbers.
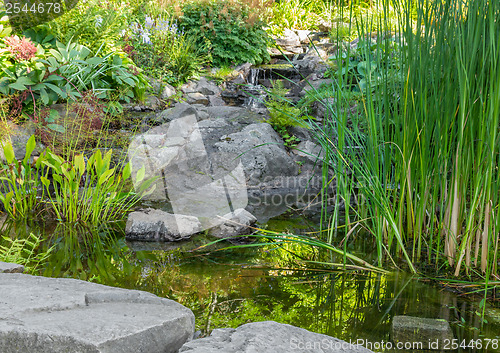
pixel 52 315
pixel 432 333
pixel 267 337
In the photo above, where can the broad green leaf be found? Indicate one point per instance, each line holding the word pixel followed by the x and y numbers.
pixel 30 147
pixel 56 127
pixel 127 170
pixel 94 61
pixel 79 162
pixel 366 69
pixel 23 80
pixel 44 96
pixel 140 174
pixel 53 116
pixel 45 181
pixel 105 176
pixel 8 152
pixel 17 86
pixel 54 88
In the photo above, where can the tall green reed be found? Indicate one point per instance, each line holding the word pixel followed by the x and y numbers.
pixel 425 168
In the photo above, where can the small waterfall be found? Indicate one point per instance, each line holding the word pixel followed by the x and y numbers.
pixel 253 77
pixel 256 93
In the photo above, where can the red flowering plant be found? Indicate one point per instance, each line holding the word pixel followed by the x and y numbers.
pixel 21 48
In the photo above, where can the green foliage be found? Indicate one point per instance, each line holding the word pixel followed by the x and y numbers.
pixel 88 191
pixel 164 52
pixel 83 190
pixel 282 114
pixel 94 24
pixel 41 35
pixel 374 62
pixel 25 251
pixel 231 32
pixel 64 72
pixel 19 180
pixel 295 14
pixel 103 75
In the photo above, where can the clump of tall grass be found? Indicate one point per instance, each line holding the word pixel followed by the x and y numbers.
pixel 425 167
pixel 85 190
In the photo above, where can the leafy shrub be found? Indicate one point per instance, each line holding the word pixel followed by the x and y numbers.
pixel 231 31
pixel 103 75
pixel 163 51
pixel 92 23
pixel 65 72
pixel 373 63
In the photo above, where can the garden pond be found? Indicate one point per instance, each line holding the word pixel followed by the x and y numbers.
pixel 227 288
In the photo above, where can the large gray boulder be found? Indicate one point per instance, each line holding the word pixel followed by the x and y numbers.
pixel 48 315
pixel 267 337
pixel 261 151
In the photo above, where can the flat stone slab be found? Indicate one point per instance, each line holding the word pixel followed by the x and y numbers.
pixel 432 333
pixel 7 267
pixel 51 315
pixel 267 337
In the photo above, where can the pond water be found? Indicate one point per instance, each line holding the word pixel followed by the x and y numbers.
pixel 226 288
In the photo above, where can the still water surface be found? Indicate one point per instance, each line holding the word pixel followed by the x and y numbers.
pixel 232 287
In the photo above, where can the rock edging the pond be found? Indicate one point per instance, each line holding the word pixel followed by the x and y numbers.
pixel 269 336
pixel 50 315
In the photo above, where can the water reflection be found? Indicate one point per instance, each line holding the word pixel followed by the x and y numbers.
pixel 233 287
pixel 224 292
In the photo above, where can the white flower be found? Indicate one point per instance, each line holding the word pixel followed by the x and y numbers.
pixel 98 21
pixel 145 37
pixel 149 22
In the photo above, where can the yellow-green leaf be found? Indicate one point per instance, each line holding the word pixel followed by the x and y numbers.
pixel 8 152
pixel 140 174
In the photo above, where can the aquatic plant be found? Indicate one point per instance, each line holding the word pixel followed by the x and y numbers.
pixel 19 180
pixel 85 190
pixel 89 191
pixel 423 171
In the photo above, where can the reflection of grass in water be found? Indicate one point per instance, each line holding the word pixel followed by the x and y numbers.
pixel 223 291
